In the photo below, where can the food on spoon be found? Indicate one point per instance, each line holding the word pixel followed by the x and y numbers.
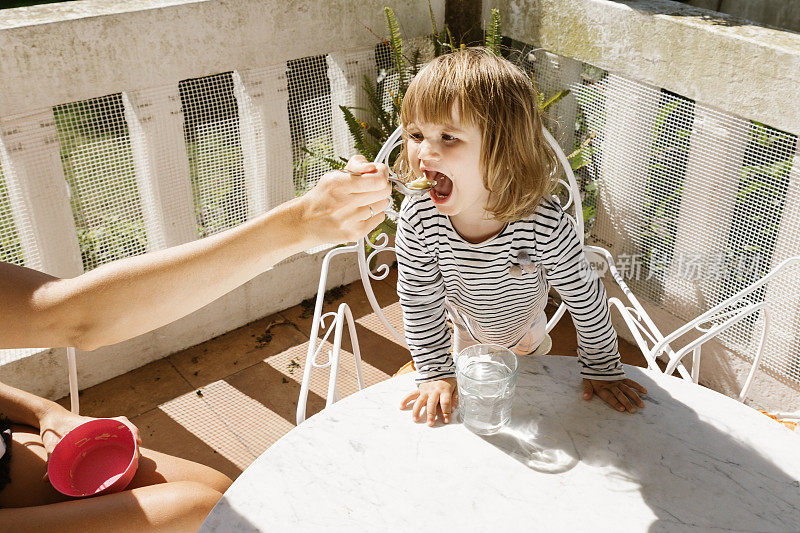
pixel 421 183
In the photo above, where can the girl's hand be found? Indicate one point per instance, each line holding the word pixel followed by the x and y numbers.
pixel 440 395
pixel 619 393
pixel 57 422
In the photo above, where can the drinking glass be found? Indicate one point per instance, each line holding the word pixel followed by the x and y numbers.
pixel 486 376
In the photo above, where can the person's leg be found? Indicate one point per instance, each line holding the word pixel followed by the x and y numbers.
pixel 29 465
pixel 177 506
pixel 156 467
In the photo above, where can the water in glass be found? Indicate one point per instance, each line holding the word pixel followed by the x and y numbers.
pixel 486 383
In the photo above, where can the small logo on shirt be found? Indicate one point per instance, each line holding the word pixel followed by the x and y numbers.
pixel 525 265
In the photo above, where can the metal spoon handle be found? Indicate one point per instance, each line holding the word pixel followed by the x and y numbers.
pixel 397 183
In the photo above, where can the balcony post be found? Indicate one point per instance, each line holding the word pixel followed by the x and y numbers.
pixel 561 73
pixel 346 73
pixel 21 222
pixel 625 144
pixel 263 102
pixel 706 210
pixel 155 125
pixel 781 295
pixel 32 168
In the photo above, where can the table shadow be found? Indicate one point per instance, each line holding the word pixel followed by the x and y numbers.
pixel 737 488
pixel 224 518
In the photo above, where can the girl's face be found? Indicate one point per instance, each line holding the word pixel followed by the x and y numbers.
pixel 450 155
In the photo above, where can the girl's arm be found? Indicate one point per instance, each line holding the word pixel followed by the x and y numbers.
pixel 582 291
pixel 420 289
pixel 135 295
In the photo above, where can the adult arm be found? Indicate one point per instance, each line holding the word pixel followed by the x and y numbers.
pixel 125 298
pixel 22 407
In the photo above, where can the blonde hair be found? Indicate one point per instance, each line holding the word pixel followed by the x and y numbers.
pixel 519 167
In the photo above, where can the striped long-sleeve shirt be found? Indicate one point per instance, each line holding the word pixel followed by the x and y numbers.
pixel 439 273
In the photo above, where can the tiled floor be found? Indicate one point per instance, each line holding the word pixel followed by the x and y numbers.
pixel 224 402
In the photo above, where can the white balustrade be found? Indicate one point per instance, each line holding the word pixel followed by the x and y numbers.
pixel 155 125
pixel 32 165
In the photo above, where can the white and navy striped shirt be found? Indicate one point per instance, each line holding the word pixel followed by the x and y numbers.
pixel 439 273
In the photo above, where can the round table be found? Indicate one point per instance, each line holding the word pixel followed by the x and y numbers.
pixel 692 459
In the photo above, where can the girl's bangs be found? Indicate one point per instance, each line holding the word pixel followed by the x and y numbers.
pixel 431 96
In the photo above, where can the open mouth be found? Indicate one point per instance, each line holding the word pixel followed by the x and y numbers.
pixel 443 188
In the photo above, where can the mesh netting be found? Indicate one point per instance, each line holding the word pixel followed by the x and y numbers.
pixel 694 203
pixel 213 145
pixel 98 166
pixel 309 120
pixel 10 242
pixel 156 167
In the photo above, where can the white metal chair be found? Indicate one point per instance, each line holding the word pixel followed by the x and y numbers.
pixel 343 314
pixel 72 372
pixel 705 327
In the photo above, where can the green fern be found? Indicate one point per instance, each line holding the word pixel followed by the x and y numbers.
pixel 493 35
pixel 387 122
pixel 396 48
pixel 437 44
pixel 416 59
pixel 358 130
pixel 451 42
pixel 545 104
pixel 332 162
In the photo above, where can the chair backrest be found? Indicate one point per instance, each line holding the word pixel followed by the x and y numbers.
pixel 572 206
pixel 736 317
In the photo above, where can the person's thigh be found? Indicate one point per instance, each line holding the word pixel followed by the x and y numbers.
pixel 156 467
pixel 28 466
pixel 179 506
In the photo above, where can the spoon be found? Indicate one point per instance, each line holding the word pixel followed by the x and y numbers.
pixel 401 186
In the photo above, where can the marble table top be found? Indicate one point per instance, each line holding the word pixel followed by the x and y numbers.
pixel 691 460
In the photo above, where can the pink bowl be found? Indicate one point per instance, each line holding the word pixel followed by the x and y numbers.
pixel 97 457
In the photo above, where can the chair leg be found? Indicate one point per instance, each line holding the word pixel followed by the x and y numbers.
pixel 333 392
pixel 314 343
pixel 351 327
pixel 72 369
pixel 756 359
pixel 696 364
pixel 344 314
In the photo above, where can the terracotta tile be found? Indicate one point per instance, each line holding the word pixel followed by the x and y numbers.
pixel 191 413
pixel 377 350
pixel 393 314
pixel 276 383
pixel 235 350
pixel 133 393
pixel 162 433
pixel 256 424
pixel 290 365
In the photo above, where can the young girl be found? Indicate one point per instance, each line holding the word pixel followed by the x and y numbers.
pixel 484 246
